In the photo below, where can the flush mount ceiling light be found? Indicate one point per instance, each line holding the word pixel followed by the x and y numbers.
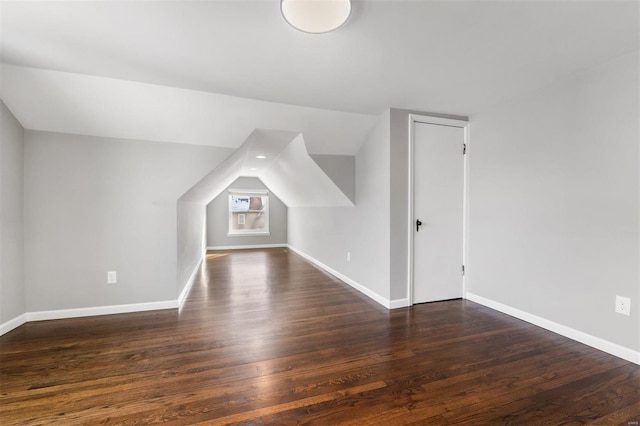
pixel 261 157
pixel 315 16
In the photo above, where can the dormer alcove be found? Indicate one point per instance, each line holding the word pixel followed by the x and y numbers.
pixel 280 160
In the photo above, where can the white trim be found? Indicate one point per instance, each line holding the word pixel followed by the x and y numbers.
pixel 362 289
pixel 264 194
pixel 398 303
pixel 249 191
pixel 100 310
pixel 185 291
pixel 431 119
pixel 13 324
pixel 571 333
pixel 463 124
pixel 85 312
pixel 465 212
pixel 254 246
pixel 410 214
pixel 248 234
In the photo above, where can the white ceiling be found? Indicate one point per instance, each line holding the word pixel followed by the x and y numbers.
pixel 456 57
pixel 99 106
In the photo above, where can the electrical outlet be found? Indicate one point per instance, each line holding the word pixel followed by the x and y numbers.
pixel 112 277
pixel 348 256
pixel 623 305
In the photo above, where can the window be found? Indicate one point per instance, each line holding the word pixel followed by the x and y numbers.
pixel 248 212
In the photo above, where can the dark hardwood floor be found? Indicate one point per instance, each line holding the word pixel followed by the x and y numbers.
pixel 266 338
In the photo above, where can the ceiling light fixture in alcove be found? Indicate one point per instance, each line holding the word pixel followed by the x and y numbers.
pixel 315 16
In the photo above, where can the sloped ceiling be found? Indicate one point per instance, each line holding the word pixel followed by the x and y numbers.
pixel 299 181
pixel 99 106
pixel 288 171
pixel 447 56
pixel 210 72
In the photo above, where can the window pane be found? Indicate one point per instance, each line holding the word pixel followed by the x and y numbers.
pixel 256 203
pixel 239 203
pixel 249 221
pixel 248 214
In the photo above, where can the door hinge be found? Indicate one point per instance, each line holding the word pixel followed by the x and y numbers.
pixel 464 148
pixel 462 269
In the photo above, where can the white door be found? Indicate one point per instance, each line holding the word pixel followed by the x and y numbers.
pixel 438 167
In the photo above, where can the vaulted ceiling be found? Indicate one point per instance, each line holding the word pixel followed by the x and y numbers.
pixel 202 63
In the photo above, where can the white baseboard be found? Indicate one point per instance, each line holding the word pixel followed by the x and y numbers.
pixel 571 333
pixel 185 291
pixel 255 246
pixel 362 289
pixel 12 324
pixel 100 310
pixel 399 303
pixel 84 312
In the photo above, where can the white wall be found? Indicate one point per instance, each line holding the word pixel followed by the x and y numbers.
pixel 554 195
pixel 12 294
pixel 327 233
pixel 191 235
pixel 94 205
pixel 218 218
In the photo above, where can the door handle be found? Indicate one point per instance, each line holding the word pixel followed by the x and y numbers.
pixel 418 223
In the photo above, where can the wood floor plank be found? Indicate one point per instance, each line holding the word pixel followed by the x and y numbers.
pixel 267 338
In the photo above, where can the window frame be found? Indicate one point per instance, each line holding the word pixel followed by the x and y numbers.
pixel 264 193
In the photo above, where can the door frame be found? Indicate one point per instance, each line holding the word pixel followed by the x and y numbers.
pixel 459 123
